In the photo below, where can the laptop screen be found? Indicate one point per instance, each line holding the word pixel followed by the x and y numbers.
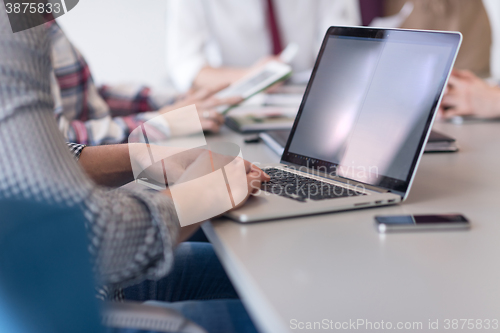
pixel 369 103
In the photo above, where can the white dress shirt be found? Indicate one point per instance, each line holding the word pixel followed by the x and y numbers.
pixel 235 33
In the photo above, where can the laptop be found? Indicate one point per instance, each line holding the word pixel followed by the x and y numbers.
pixel 362 125
pixel 437 142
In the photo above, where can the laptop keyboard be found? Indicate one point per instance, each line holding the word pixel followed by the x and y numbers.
pixel 300 188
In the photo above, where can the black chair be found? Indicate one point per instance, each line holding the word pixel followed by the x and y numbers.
pixel 46 284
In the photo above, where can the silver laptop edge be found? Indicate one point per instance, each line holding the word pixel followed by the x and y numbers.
pixel 268 206
pixel 421 153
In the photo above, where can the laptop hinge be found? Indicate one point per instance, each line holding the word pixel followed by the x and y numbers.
pixel 343 180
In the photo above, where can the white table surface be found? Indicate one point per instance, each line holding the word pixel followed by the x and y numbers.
pixel 337 267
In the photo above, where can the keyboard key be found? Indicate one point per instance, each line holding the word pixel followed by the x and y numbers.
pixel 300 188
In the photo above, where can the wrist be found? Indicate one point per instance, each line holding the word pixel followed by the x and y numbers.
pixel 107 165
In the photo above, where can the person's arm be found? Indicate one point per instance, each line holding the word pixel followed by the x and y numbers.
pixel 468 95
pixel 210 77
pixel 83 115
pixel 129 99
pixel 213 78
pixel 132 233
pixel 187 37
pixel 113 130
pixel 107 165
pixel 110 166
pixel 206 104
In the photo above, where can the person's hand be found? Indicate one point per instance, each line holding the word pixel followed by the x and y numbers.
pixel 262 62
pixel 244 177
pixel 205 98
pixel 177 161
pixel 210 77
pixel 206 103
pixel 254 177
pixel 212 184
pixel 468 95
pixel 200 162
pixel 152 162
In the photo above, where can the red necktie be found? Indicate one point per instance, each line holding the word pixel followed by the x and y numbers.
pixel 370 9
pixel 273 28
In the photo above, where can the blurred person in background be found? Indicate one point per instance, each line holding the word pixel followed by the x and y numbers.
pixel 467 94
pixel 216 42
pixel 467 16
pixel 92 115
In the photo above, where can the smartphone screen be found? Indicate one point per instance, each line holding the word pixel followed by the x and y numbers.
pixel 421 222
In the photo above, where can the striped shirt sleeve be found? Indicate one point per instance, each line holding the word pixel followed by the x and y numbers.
pixel 92 116
pixel 75 149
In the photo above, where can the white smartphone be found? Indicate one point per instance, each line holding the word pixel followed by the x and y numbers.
pixel 255 82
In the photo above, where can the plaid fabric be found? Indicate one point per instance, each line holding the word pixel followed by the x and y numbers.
pixel 131 232
pixel 93 116
pixel 75 149
pixel 106 293
pixel 123 104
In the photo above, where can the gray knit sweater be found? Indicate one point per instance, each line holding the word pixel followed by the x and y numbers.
pixel 132 233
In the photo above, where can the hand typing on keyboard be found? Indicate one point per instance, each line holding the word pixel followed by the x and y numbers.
pixel 300 188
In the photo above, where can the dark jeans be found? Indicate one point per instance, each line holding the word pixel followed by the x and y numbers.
pixel 198 288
